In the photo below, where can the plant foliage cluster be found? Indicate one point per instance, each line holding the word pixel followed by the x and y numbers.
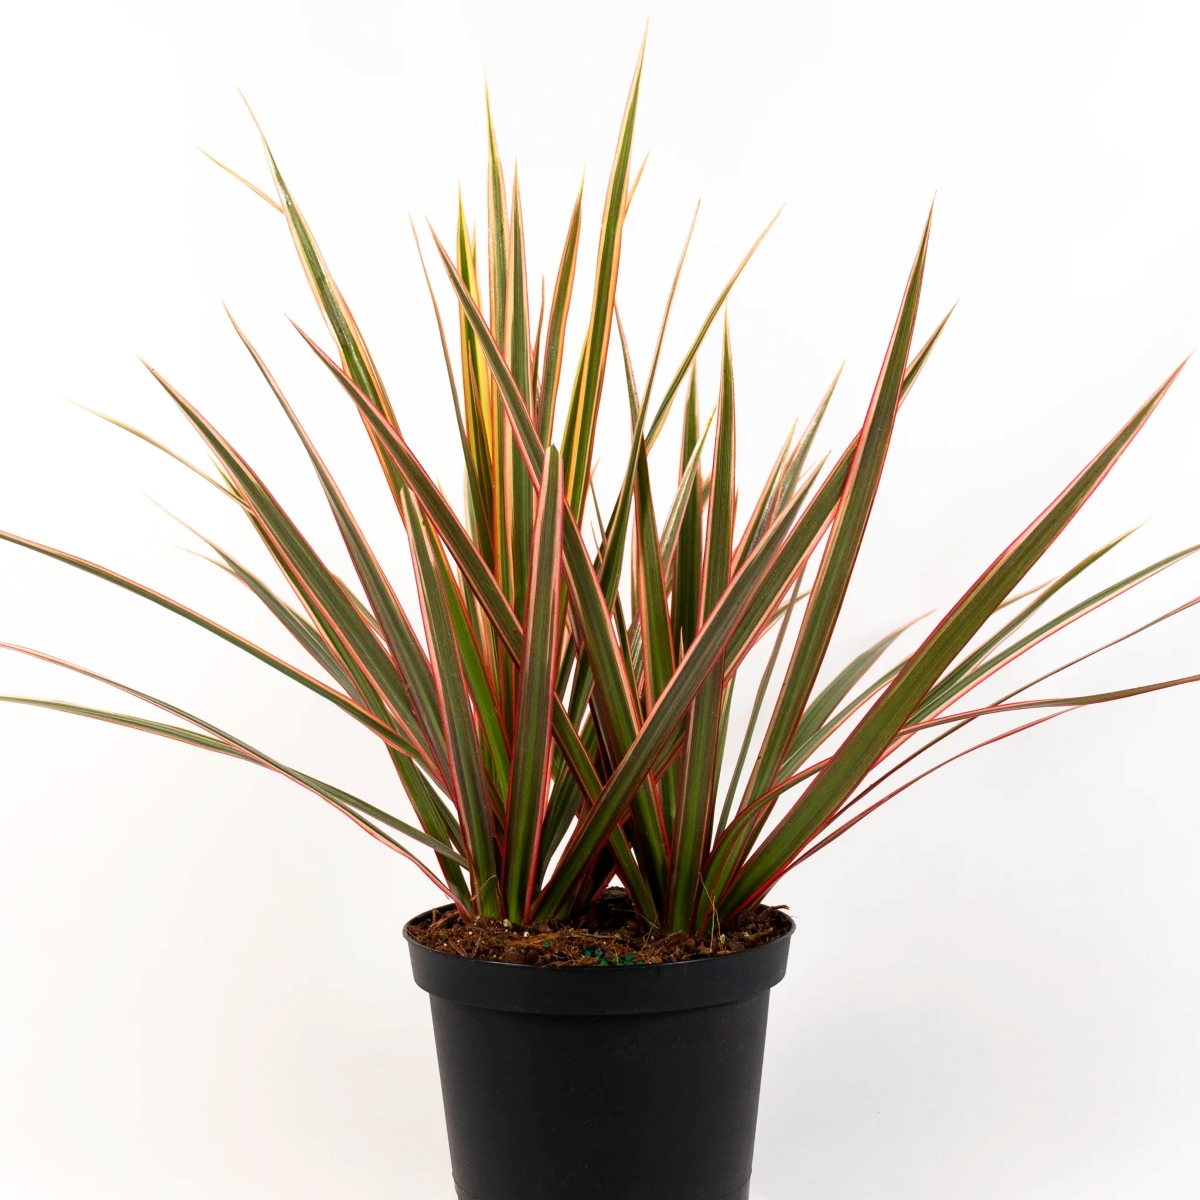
pixel 558 717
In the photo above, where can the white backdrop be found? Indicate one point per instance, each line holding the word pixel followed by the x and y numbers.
pixel 203 987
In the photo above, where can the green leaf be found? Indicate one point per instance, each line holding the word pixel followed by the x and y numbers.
pixel 467 779
pixel 701 761
pixel 345 703
pixel 516 326
pixel 823 715
pixel 845 539
pixel 406 651
pixel 821 720
pixel 610 808
pixel 959 721
pixel 497 213
pixel 749 601
pixel 785 477
pixel 1056 702
pixel 376 676
pixel 480 508
pixel 516 493
pixel 455 537
pixel 752 723
pixel 560 304
pixel 613 691
pixel 662 328
pixel 649 582
pixel 295 623
pixel 820 508
pixel 683 528
pixel 226 743
pixel 528 441
pixel 428 495
pixel 686 492
pixel 529 787
pixel 870 739
pixel 956 685
pixel 478 400
pixel 145 437
pixel 356 356
pixel 495 745
pixel 664 405
pixel 580 430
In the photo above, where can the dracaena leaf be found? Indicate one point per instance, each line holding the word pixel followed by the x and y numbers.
pixel 375 675
pixel 613 686
pixel 820 508
pixel 654 623
pixel 560 305
pixel 662 328
pixel 227 743
pixel 429 496
pixel 613 690
pixel 345 703
pixel 356 356
pixel 756 707
pixel 683 522
pixel 845 538
pixel 785 476
pixel 872 736
pixel 476 489
pixel 613 802
pixel 407 654
pixel 580 430
pixel 527 438
pixel 664 405
pixel 530 782
pixel 450 530
pixel 467 779
pixel 706 721
pixel 498 231
pixel 978 666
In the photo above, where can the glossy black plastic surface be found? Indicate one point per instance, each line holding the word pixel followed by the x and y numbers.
pixel 601 1083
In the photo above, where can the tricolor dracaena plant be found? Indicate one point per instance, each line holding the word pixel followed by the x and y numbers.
pixel 558 712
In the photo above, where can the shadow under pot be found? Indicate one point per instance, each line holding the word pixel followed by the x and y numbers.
pixel 601 1083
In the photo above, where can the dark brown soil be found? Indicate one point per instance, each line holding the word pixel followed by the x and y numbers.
pixel 610 935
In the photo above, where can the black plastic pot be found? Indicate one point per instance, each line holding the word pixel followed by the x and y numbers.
pixel 601 1083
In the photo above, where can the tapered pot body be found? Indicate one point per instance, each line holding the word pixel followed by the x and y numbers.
pixel 601 1083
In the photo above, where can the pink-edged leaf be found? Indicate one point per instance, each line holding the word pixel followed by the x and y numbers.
pixel 870 739
pixel 845 537
pixel 702 756
pixel 467 778
pixel 530 782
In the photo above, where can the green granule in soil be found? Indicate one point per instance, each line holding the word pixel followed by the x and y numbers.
pixel 610 935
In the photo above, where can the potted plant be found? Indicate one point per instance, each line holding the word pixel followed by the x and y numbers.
pixel 558 712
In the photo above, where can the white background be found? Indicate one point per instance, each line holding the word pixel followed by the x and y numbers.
pixel 203 988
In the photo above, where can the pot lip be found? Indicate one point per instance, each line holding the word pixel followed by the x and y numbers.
pixel 491 962
pixel 588 991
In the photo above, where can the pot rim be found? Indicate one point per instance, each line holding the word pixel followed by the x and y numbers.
pixel 592 991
